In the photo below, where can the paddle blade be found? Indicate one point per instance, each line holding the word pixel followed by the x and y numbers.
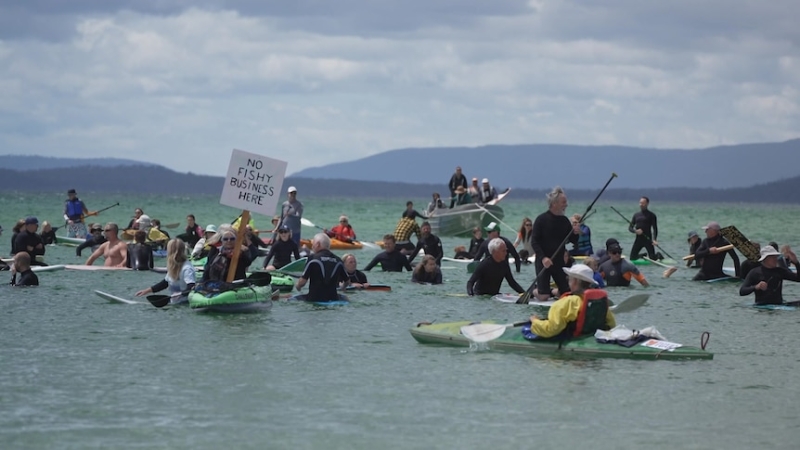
pixel 668 273
pixel 369 245
pixel 159 301
pixel 630 303
pixel 483 332
pixel 524 298
pixel 307 222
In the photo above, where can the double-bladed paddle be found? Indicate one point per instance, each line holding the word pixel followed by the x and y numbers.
pixel 485 332
pixel 526 296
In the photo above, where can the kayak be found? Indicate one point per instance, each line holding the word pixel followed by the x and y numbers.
pixel 342 300
pixel 245 299
pixel 449 334
pixel 336 244
pixel 283 283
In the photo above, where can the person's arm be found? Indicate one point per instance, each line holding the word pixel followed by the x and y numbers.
pixel 511 281
pixel 438 278
pixel 632 225
pixel 736 264
pixel 271 253
pixel 439 252
pixel 374 262
pixel 514 254
pixel 750 283
pixel 419 246
pixel 295 250
pixel 160 286
pixel 405 262
pixel 561 313
pixel 124 253
pixel 472 280
pixel 96 254
pixel 655 227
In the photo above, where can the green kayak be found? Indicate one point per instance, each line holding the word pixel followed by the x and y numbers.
pixel 449 334
pixel 282 283
pixel 241 300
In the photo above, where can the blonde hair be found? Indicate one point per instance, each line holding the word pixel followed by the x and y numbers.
pixel 591 263
pixel 221 231
pixel 176 256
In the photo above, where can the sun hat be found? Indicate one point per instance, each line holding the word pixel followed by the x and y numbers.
pixel 31 221
pixel 291 189
pixel 768 251
pixel 712 226
pixel 485 181
pixel 492 227
pixel 210 229
pixel 691 235
pixel 581 272
pixel 474 179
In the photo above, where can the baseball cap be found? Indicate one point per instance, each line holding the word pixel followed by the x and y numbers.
pixel 613 248
pixel 492 227
pixel 283 228
pixel 485 180
pixel 691 235
pixel 31 221
pixel 291 189
pixel 610 242
pixel 712 226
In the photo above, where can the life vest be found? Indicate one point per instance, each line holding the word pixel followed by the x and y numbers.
pixel 75 209
pixel 592 316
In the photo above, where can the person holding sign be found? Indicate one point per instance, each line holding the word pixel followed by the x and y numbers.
pixel 291 213
pixel 219 257
pixel 766 281
pixel 713 256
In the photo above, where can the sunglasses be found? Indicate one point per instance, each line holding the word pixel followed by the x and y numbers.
pixel 283 231
pixel 528 224
pixel 228 239
pixel 107 229
pixel 614 253
pixel 96 229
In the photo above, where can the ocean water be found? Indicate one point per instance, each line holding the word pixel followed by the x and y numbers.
pixel 77 372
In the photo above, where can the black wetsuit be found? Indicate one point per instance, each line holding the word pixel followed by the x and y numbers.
pixel 26 239
pixel 357 277
pixel 483 251
pixel 711 268
pixel 390 262
pixel 488 277
pixel 324 271
pixel 475 245
pixel 93 241
pixel 549 231
pixel 216 268
pixel 140 257
pixel 746 266
pixel 695 262
pixel 48 237
pixel 432 246
pixel 26 278
pixel 774 277
pixel 647 222
pixel 282 251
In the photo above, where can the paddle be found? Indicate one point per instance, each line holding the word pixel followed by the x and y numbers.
pixel 722 249
pixel 158 300
pixel 371 287
pixel 648 237
pixel 525 297
pixel 91 213
pixel 485 332
pixel 670 269
pixel 309 223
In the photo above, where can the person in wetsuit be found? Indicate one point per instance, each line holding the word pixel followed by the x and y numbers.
pixel 645 225
pixel 618 272
pixel 491 272
pixel 550 229
pixel 713 259
pixel 493 231
pixel 766 281
pixel 140 255
pixel 282 249
pixel 29 241
pixel 429 243
pixel 390 259
pixel 23 275
pixel 694 243
pixel 324 271
pixel 48 234
pixel 427 271
pixel 355 277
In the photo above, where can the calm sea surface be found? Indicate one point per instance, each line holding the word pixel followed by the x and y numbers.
pixel 77 372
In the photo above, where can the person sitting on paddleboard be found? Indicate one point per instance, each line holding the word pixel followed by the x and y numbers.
pixel 524 236
pixel 74 212
pixel 581 312
pixel 390 259
pixel 766 281
pixel 219 257
pixel 192 233
pixel 493 230
pixel 140 255
pixel 584 245
pixel 282 250
pixel 429 243
pixel 427 271
pixel 356 278
pixel 134 222
pixel 490 273
pixel 343 231
pixel 713 259
pixel 618 272
pixel 694 243
pixel 475 242
pixel 22 274
pixel 180 278
pixel 324 271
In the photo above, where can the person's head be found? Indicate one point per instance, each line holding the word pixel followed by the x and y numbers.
pixel 344 220
pixel 492 230
pixel 615 252
pixel 155 223
pixel 71 194
pixel 498 250
pixel 769 257
pixel 321 241
pixel 575 220
pixel 140 236
pixel 692 237
pixel 292 191
pixel 425 228
pixel 591 263
pixel 96 229
pixel 458 170
pixel 774 245
pixel 18 226
pixel 22 261
pixel 475 182
pixel 176 250
pixel 110 230
pixel 144 222
pixel 610 242
pixel 46 227
pixel 227 238
pixel 477 233
pixel 137 213
pixel 190 220
pixel 712 229
pixel 428 263
pixel 389 242
pixel 435 195
pixel 581 277
pixel 557 201
pixel 284 233
pixel 209 231
pixel 644 202
pixel 526 227
pixel 460 248
pixel 31 224
pixel 485 182
pixel 350 263
pixel 409 205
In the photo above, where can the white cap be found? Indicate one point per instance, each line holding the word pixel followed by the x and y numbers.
pixel 485 180
pixel 291 189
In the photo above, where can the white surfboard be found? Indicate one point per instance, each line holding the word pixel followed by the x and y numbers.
pixel 38 269
pixel 114 299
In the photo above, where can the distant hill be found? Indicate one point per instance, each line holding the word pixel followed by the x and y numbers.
pixel 540 166
pixel 34 162
pixel 156 179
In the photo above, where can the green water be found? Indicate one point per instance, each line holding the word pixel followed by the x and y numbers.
pixel 77 372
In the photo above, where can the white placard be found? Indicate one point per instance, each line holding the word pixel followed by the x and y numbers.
pixel 661 345
pixel 253 182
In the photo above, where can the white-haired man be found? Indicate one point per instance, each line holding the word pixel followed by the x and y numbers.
pixel 324 271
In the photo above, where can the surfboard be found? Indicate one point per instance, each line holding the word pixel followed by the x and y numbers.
pixel 114 299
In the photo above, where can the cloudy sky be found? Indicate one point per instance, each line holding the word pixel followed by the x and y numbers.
pixel 182 82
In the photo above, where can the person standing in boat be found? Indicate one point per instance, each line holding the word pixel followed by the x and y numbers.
pixel 456 180
pixel 114 251
pixel 490 273
pixel 550 229
pixel 429 243
pixel 488 192
pixel 766 281
pixel 291 213
pixel 390 259
pixel 28 241
pixel 436 203
pixel 618 272
pixel 74 212
pixel 22 275
pixel 343 231
pixel 645 225
pixel 474 190
pixel 402 233
pixel 694 243
pixel 493 231
pixel 355 277
pixel 582 312
pixel 713 259
pixel 180 278
pixel 427 271
pixel 584 245
pixel 219 257
pixel 282 249
pixel 462 197
pixel 140 255
pixel 324 271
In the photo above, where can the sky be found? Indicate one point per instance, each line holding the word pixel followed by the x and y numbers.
pixel 312 82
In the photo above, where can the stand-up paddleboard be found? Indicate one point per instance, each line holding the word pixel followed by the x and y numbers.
pixel 92 268
pixel 114 299
pixel 39 269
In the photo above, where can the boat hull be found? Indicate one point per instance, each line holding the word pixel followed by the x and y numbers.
pixel 243 300
pixel 460 220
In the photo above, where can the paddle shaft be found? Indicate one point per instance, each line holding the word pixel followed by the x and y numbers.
pixel 528 292
pixel 648 237
pixel 104 209
pixel 724 248
pixel 237 249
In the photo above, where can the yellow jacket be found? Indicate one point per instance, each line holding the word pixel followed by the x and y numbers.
pixel 562 312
